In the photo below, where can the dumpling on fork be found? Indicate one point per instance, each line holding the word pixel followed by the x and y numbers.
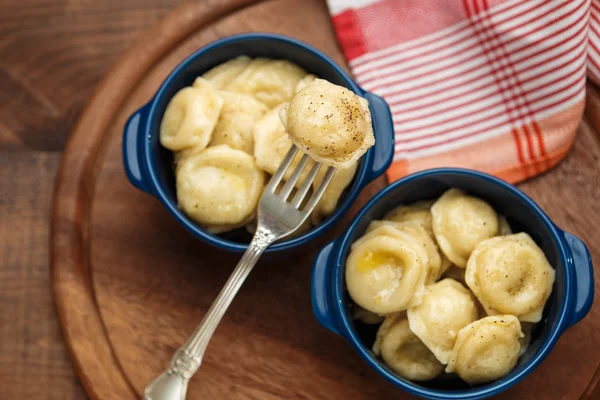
pixel 329 123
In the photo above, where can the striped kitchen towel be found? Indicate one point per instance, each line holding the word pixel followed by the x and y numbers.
pixel 492 85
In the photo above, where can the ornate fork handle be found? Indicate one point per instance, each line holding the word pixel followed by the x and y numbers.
pixel 172 384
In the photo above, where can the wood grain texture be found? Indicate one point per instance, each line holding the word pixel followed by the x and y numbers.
pixel 33 360
pixel 52 55
pixel 141 284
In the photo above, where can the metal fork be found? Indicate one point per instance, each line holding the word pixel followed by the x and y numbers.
pixel 278 216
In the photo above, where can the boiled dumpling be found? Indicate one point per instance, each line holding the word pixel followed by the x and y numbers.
pixel 419 233
pixel 238 116
pixel 219 186
pixel 385 272
pixel 511 275
pixel 460 222
pixel 331 197
pixel 223 74
pixel 404 352
pixel 221 228
pixel 419 211
pixel 190 117
pixel 487 349
pixel 271 144
pixel 304 82
pixel 269 81
pixel 365 316
pixel 329 123
pixel 447 307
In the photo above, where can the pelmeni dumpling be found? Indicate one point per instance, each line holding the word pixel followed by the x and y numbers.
pixel 365 316
pixel 236 120
pixel 330 123
pixel 419 211
pixel 511 275
pixel 404 352
pixel 446 308
pixel 304 82
pixel 460 222
pixel 190 117
pixel 418 232
pixel 219 186
pixel 487 349
pixel 271 144
pixel 269 81
pixel 331 197
pixel 221 228
pixel 386 271
pixel 223 74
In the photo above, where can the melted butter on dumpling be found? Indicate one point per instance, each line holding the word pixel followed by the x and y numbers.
pixel 238 116
pixel 386 271
pixel 511 275
pixel 269 81
pixel 219 186
pixel 271 144
pixel 223 74
pixel 487 349
pixel 418 232
pixel 190 117
pixel 419 211
pixel 460 222
pixel 404 352
pixel 329 123
pixel 446 308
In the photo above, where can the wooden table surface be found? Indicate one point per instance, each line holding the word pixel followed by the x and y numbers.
pixel 52 55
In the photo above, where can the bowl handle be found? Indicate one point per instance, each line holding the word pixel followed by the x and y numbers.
pixel 584 278
pixel 321 287
pixel 384 144
pixel 132 148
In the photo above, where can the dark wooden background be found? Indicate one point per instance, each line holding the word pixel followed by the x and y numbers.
pixel 52 55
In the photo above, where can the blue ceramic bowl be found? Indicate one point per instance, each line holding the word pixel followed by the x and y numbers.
pixel 149 166
pixel 570 301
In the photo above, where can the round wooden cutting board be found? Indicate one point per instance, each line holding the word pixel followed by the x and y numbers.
pixel 131 284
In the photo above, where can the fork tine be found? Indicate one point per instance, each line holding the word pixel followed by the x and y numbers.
pixel 285 164
pixel 291 182
pixel 301 193
pixel 320 190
